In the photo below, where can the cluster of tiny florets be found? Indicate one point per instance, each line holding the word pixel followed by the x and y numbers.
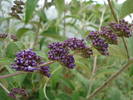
pixel 17 91
pixel 75 44
pixel 17 9
pixel 79 45
pixel 122 29
pixel 101 46
pixel 68 61
pixel 45 70
pixel 98 43
pixel 109 35
pixel 3 35
pixel 93 35
pixel 59 51
pixel 27 60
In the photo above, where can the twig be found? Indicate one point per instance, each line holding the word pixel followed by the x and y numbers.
pixel 125 45
pixel 114 15
pixel 112 11
pixel 130 61
pixel 4 88
pixel 10 75
pixel 45 4
pixel 18 73
pixel 45 64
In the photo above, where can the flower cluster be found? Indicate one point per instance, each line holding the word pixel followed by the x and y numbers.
pixel 86 52
pixel 45 70
pixel 68 61
pixel 122 28
pixel 27 60
pixel 3 35
pixel 101 46
pixel 14 37
pixel 98 43
pixel 59 51
pixel 75 44
pixel 109 35
pixel 18 91
pixel 79 45
pixel 93 35
pixel 17 9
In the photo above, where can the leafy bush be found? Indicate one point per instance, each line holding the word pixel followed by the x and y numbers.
pixel 60 50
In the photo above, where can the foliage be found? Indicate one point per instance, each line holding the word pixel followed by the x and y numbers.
pixel 36 30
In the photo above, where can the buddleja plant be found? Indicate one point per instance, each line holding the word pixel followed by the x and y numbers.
pixel 64 52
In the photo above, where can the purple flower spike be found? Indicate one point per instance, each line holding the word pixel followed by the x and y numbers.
pixel 60 52
pixel 27 60
pixel 12 95
pixel 101 46
pixel 75 44
pixel 18 91
pixel 93 35
pixel 45 70
pixel 68 61
pixel 108 35
pixel 122 28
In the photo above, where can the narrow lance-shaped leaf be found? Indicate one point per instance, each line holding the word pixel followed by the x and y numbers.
pixel 30 7
pixel 60 5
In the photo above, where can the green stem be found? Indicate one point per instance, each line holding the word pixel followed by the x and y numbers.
pixel 45 85
pixel 112 11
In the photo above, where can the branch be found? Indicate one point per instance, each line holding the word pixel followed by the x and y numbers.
pixel 10 75
pixel 130 61
pixel 112 11
pixel 18 73
pixel 125 45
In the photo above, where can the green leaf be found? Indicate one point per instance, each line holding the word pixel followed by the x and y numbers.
pixel 41 43
pixel 52 31
pixel 75 96
pixel 3 95
pixel 42 15
pixel 131 71
pixel 68 83
pixel 60 5
pixel 127 8
pixel 11 50
pixel 5 18
pixel 63 96
pixel 114 94
pixel 21 32
pixel 30 7
pixel 5 61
